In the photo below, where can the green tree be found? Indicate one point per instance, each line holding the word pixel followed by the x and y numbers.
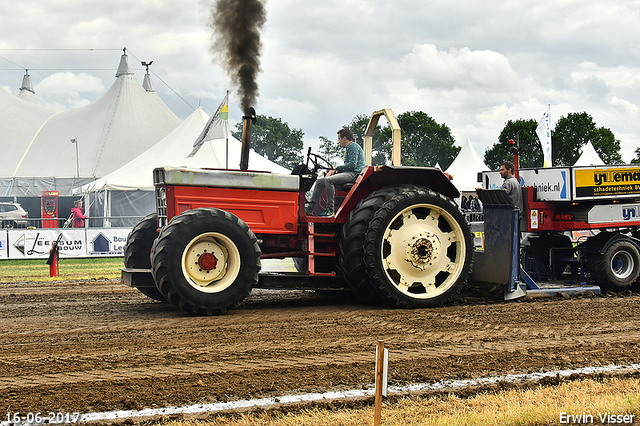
pixel 530 152
pixel 381 151
pixel 330 149
pixel 607 146
pixel 574 131
pixel 275 140
pixel 381 140
pixel 570 135
pixel 637 159
pixel 426 142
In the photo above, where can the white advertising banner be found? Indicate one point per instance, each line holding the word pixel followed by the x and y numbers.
pixel 37 243
pixel 491 180
pixel 106 241
pixel 4 254
pixel 552 184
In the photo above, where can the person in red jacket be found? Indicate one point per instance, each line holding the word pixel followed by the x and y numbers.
pixel 78 216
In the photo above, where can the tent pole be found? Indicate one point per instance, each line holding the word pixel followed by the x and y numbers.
pixel 106 209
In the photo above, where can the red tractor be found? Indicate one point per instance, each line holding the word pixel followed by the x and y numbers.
pixel 397 237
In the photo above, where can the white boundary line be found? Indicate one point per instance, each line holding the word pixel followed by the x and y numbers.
pixel 333 396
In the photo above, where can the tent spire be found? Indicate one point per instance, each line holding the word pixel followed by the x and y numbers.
pixel 146 83
pixel 26 83
pixel 27 93
pixel 123 68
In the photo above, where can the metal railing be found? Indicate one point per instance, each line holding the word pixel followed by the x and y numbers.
pixel 473 216
pixel 62 222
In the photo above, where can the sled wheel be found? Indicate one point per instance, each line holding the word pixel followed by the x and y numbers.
pixel 618 268
pixel 418 250
pixel 352 242
pixel 137 251
pixel 206 261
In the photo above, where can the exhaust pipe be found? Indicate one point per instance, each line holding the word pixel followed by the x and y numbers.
pixel 246 138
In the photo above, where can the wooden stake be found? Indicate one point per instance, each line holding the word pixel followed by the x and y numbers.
pixel 377 419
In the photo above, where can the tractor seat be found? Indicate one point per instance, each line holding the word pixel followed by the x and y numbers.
pixel 345 187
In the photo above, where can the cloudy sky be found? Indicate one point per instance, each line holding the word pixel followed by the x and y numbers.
pixel 470 65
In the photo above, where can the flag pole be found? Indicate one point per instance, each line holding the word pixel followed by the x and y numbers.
pixel 226 148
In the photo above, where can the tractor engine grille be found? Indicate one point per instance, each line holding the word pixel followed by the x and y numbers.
pixel 161 205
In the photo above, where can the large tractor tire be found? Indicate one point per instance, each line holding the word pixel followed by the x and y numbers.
pixel 137 251
pixel 352 242
pixel 617 268
pixel 418 250
pixel 206 261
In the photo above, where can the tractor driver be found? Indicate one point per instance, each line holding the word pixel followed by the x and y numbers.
pixel 348 172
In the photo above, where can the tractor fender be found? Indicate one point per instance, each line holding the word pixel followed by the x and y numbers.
pixel 601 242
pixel 427 177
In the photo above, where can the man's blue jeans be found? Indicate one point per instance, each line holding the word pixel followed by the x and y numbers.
pixel 330 183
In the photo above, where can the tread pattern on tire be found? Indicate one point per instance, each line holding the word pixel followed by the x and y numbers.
pixel 352 242
pixel 599 267
pixel 137 251
pixel 378 224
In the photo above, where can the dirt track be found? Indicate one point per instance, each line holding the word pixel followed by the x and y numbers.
pixel 100 346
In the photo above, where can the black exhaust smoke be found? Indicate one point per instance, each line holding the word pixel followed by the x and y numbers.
pixel 236 41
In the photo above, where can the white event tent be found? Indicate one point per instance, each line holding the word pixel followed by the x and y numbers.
pixel 465 168
pixel 128 191
pixel 589 157
pixel 38 154
pixel 19 122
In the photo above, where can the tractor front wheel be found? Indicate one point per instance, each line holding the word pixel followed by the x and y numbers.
pixel 418 249
pixel 206 261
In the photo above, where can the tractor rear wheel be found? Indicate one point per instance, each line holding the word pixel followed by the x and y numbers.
pixel 206 261
pixel 418 250
pixel 352 242
pixel 137 252
pixel 617 268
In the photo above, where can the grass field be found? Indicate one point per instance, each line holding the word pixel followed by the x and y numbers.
pixel 603 401
pixel 37 270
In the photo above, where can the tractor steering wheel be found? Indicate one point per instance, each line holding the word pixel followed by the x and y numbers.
pixel 318 162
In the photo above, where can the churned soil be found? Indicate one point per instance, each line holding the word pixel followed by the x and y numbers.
pixel 99 346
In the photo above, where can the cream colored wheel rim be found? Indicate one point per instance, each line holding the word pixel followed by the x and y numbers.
pixel 222 265
pixel 423 251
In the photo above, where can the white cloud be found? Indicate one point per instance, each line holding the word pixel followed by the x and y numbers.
pixel 66 89
pixel 460 68
pixel 472 66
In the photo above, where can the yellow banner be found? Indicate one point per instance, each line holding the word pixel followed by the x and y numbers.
pixel 600 181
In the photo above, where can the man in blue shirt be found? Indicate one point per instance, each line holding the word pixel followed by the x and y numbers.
pixel 348 172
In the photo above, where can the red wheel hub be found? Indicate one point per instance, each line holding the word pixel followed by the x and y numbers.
pixel 207 261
